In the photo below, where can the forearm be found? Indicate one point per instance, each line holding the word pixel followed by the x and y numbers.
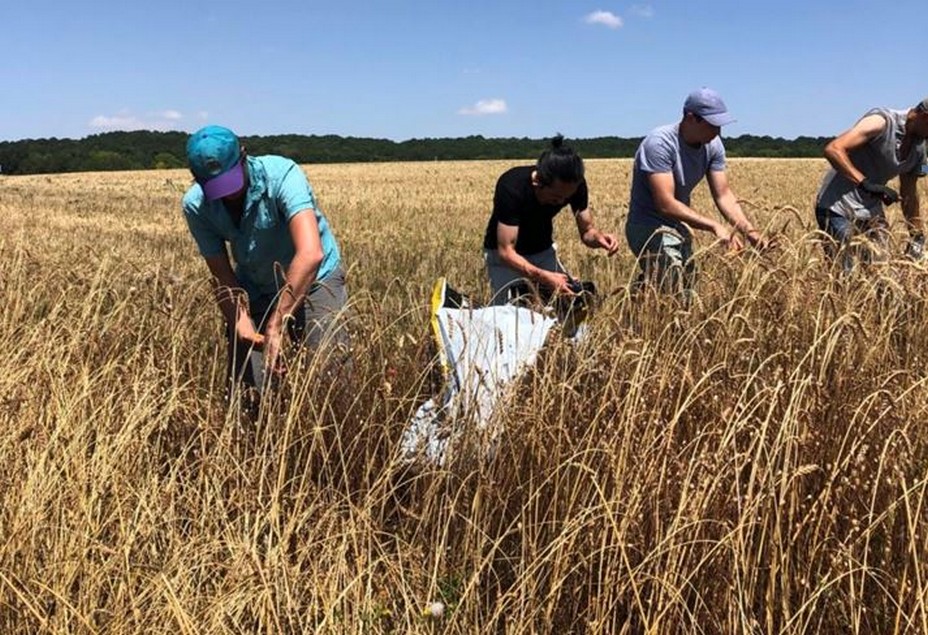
pixel 512 259
pixel 731 209
pixel 681 212
pixel 589 234
pixel 909 199
pixel 230 298
pixel 913 218
pixel 300 276
pixel 590 237
pixel 229 309
pixel 840 160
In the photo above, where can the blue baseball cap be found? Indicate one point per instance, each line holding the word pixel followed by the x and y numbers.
pixel 215 158
pixel 707 103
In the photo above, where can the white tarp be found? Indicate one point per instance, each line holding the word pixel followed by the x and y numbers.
pixel 482 351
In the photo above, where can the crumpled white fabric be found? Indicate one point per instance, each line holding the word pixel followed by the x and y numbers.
pixel 484 349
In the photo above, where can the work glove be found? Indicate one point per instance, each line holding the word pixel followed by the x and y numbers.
pixel 915 248
pixel 886 194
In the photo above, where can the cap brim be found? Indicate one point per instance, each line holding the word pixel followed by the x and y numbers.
pixel 226 184
pixel 719 119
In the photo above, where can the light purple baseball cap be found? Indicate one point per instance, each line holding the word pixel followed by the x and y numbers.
pixel 707 103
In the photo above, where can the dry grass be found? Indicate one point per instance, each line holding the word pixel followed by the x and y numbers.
pixel 754 463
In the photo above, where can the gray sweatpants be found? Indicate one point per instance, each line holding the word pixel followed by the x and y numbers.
pixel 503 278
pixel 315 322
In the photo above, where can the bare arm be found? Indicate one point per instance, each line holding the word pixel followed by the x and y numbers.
pixel 304 231
pixel 226 285
pixel 662 190
pixel 730 208
pixel 592 237
pixel 838 150
pixel 231 298
pixel 506 236
pixel 908 191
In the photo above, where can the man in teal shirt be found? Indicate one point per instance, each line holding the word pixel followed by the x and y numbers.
pixel 287 263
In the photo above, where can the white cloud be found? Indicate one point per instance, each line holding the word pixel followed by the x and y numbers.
pixel 485 107
pixel 642 10
pixel 605 18
pixel 115 122
pixel 125 120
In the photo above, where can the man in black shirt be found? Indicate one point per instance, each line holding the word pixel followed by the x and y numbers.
pixel 519 242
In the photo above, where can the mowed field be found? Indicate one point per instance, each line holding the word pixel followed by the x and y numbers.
pixel 755 462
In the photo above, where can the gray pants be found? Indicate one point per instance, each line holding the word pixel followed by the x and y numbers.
pixel 665 257
pixel 315 321
pixel 504 279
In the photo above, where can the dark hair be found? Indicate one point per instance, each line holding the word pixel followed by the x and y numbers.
pixel 559 163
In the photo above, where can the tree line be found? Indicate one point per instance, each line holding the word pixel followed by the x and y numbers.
pixel 142 150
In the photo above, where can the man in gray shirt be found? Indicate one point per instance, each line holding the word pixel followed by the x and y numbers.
pixel 669 164
pixel 883 144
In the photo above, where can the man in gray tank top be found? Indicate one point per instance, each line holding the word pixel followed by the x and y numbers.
pixel 669 163
pixel 883 144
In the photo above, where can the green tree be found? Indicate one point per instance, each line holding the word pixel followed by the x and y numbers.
pixel 166 161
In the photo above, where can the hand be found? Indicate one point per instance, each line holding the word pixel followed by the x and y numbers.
pixel 886 194
pixel 915 248
pixel 558 282
pixel 605 241
pixel 730 239
pixel 759 241
pixel 273 340
pixel 245 331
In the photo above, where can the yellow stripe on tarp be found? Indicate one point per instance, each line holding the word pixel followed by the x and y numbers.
pixel 438 300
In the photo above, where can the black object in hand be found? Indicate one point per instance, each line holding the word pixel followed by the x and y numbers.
pixel 886 194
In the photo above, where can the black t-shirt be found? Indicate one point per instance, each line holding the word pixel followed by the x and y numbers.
pixel 514 203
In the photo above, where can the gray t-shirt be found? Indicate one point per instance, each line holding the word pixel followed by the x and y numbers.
pixel 879 160
pixel 662 151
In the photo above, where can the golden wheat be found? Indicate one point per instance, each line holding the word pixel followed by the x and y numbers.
pixel 754 462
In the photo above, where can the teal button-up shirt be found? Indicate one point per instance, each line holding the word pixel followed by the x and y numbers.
pixel 261 245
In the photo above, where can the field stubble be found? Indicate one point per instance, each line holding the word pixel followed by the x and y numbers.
pixel 756 462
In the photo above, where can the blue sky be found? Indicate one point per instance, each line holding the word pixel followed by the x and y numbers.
pixel 417 68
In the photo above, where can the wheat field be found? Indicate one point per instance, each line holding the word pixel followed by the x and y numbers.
pixel 753 462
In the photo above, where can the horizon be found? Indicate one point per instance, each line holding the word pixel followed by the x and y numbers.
pixel 396 141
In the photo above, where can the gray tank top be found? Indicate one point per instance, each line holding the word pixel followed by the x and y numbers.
pixel 879 161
